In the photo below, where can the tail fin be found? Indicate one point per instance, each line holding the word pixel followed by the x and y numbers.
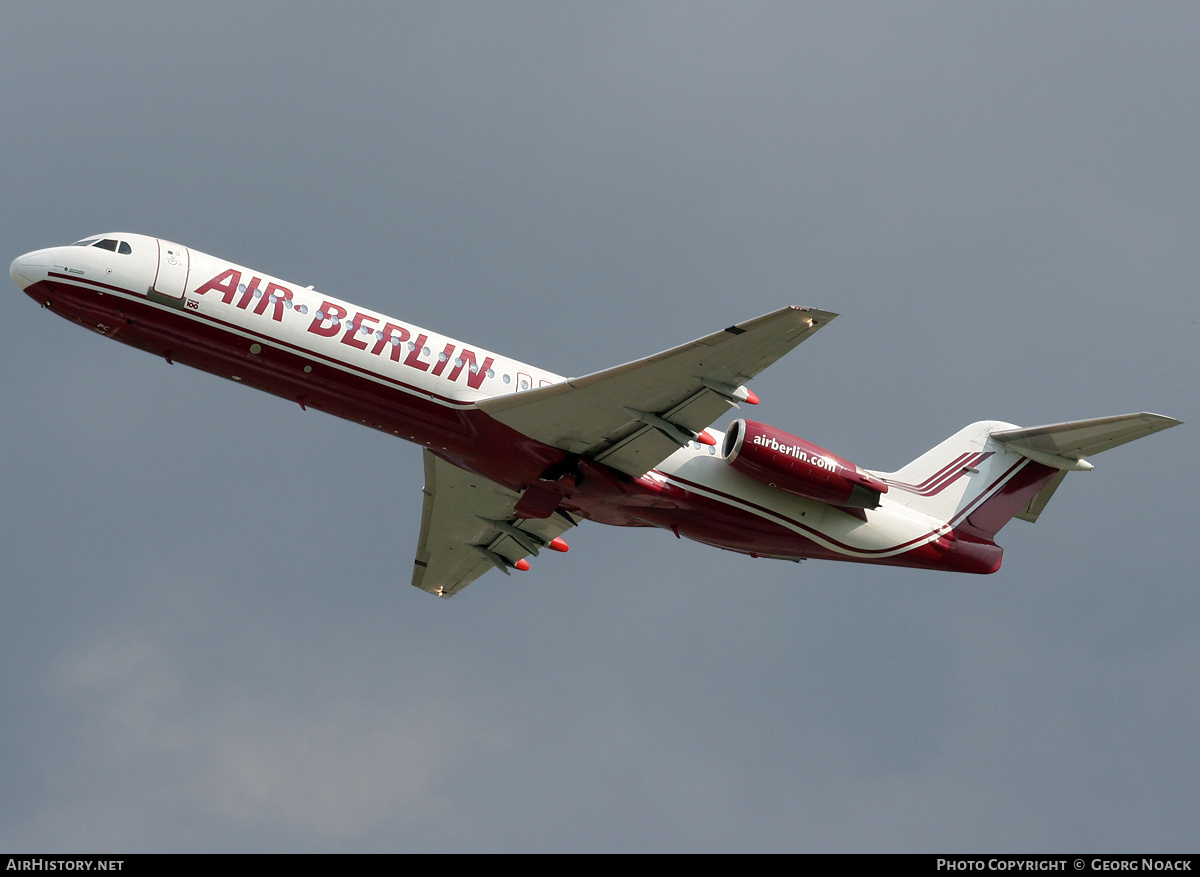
pixel 990 472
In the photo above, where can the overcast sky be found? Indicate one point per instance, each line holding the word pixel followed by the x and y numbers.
pixel 209 639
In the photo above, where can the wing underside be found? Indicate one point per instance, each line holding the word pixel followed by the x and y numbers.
pixel 634 416
pixel 468 528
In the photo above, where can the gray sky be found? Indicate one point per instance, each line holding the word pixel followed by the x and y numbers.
pixel 210 642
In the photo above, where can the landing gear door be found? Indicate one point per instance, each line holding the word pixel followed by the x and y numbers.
pixel 173 265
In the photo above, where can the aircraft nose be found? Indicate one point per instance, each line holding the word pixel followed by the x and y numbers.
pixel 28 269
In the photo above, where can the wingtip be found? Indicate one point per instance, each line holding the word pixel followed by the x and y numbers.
pixel 1166 422
pixel 815 313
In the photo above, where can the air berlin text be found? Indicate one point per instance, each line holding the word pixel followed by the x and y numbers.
pixel 794 451
pixel 228 282
pixel 363 332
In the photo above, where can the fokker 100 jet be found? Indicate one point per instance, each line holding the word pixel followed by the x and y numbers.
pixel 515 456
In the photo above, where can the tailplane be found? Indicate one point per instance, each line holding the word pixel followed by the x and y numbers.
pixel 990 472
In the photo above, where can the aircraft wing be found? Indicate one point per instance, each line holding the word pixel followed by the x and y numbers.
pixel 634 416
pixel 468 528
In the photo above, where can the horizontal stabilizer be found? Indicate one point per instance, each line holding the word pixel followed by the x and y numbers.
pixel 1064 445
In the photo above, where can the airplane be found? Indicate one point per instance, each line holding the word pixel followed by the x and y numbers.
pixel 515 456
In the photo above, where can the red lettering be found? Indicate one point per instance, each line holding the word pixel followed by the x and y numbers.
pixel 327 312
pixel 475 376
pixel 281 294
pixel 475 379
pixel 360 319
pixel 412 360
pixel 401 336
pixel 225 283
pixel 443 358
pixel 248 295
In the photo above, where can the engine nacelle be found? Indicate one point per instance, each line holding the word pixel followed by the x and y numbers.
pixel 789 463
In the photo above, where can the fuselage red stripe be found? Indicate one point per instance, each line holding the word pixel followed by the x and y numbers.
pixel 944 477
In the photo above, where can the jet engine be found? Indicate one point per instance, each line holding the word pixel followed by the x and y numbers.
pixel 789 463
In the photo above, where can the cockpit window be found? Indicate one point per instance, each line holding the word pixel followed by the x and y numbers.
pixel 105 244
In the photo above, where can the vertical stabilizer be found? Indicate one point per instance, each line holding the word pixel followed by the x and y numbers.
pixel 953 475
